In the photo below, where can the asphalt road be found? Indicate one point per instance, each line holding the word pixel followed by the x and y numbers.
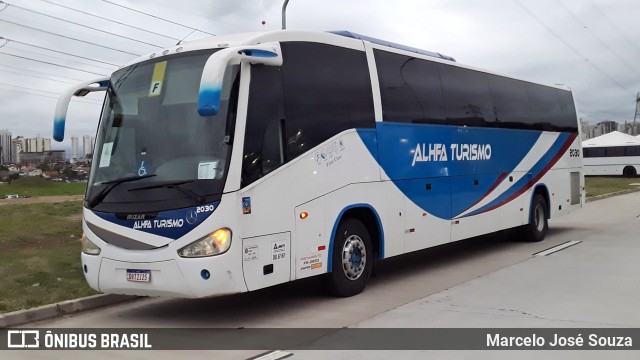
pixel 488 281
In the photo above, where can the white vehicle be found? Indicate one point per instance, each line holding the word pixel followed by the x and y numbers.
pixel 239 162
pixel 612 154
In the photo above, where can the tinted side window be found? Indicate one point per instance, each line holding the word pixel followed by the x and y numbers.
pixel 327 90
pixel 633 151
pixel 615 151
pixel 410 89
pixel 467 97
pixel 611 151
pixel 594 152
pixel 511 102
pixel 545 108
pixel 567 119
pixel 265 113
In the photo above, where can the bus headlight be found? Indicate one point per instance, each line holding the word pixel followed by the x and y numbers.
pixel 215 243
pixel 88 247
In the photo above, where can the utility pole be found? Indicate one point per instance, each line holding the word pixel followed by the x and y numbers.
pixel 284 14
pixel 634 130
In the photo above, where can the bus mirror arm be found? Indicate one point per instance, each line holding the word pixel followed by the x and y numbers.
pixel 81 89
pixel 213 71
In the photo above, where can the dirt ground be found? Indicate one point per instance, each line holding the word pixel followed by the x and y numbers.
pixel 41 199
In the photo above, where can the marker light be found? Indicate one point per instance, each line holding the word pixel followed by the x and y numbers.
pixel 215 243
pixel 88 247
pixel 304 215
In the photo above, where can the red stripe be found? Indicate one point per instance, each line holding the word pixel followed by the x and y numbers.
pixel 531 182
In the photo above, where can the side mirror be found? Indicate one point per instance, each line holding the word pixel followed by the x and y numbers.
pixel 213 71
pixel 81 89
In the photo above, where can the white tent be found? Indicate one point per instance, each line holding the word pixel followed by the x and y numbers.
pixel 614 138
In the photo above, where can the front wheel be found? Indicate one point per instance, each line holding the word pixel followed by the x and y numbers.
pixel 538 225
pixel 352 259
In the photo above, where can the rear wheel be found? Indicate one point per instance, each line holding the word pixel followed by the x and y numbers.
pixel 538 226
pixel 352 259
pixel 629 171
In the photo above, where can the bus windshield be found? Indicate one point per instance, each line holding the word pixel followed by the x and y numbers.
pixel 153 151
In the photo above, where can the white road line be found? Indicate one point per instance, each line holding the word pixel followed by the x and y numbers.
pixel 557 248
pixel 272 355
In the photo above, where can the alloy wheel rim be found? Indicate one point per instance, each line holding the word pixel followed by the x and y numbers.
pixel 354 257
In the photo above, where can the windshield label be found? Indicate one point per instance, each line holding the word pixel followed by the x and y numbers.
pixel 207 170
pixel 144 168
pixel 157 78
pixel 105 156
pixel 171 224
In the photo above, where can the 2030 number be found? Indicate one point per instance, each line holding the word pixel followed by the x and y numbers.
pixel 204 209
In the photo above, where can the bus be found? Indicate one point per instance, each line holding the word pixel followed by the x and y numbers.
pixel 239 162
pixel 612 154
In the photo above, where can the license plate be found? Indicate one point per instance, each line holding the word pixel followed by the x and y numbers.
pixel 139 275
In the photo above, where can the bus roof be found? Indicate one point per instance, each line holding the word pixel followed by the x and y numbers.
pixel 249 38
pixel 614 138
pixel 391 44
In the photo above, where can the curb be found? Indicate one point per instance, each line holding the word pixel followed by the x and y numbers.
pixel 605 196
pixel 51 311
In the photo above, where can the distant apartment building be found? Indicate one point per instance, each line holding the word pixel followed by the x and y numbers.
pixel 28 150
pixel 46 144
pixel 5 147
pixel 605 127
pixel 75 144
pixel 587 130
pixel 17 147
pixel 34 158
pixel 88 142
pixel 36 145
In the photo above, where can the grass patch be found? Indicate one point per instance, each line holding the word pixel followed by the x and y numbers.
pixel 37 186
pixel 40 255
pixel 600 185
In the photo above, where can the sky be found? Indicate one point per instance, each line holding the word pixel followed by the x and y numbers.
pixel 590 46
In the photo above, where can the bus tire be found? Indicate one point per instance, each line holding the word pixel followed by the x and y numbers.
pixel 537 228
pixel 629 171
pixel 352 259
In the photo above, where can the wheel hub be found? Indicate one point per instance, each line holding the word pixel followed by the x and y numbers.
pixel 354 257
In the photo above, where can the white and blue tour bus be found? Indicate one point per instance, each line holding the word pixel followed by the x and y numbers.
pixel 239 162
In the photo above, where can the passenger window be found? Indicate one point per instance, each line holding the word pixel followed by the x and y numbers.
pixel 467 97
pixel 327 90
pixel 544 107
pixel 566 120
pixel 273 146
pixel 410 89
pixel 263 141
pixel 511 103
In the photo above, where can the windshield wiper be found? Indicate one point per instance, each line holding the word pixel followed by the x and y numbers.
pixel 176 185
pixel 111 184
